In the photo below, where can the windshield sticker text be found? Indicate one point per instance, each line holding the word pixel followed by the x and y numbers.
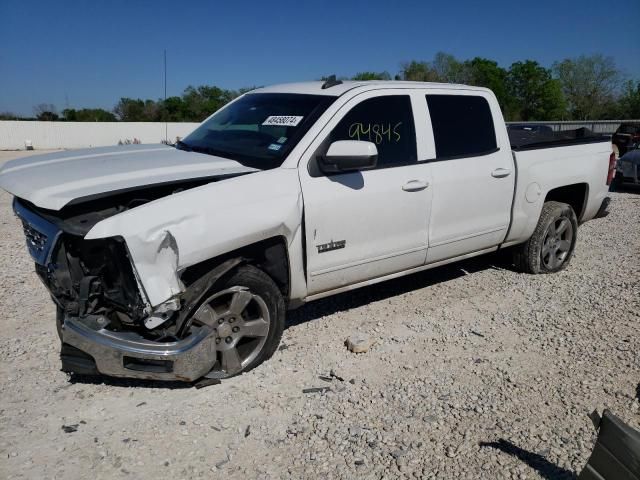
pixel 283 120
pixel 275 147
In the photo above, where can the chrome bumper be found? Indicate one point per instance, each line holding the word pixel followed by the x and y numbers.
pixel 129 355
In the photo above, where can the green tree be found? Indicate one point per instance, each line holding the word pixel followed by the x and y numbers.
pixel 88 115
pixel 482 72
pixel 535 94
pixel 448 69
pixel 202 101
pixel 152 111
pixel 9 116
pixel 173 109
pixel 132 110
pixel 46 112
pixel 589 84
pixel 418 72
pixel 628 104
pixel 372 76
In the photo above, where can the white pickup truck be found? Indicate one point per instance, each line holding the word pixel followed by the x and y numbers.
pixel 179 263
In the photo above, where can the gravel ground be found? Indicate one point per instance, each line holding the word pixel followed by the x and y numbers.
pixel 476 372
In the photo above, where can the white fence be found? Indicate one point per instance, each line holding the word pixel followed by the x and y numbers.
pixel 49 135
pixel 605 127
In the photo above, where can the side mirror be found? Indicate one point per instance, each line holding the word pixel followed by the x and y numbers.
pixel 349 156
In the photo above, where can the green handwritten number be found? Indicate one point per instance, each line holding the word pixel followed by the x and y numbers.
pixel 366 131
pixel 387 132
pixel 375 132
pixel 395 132
pixel 354 130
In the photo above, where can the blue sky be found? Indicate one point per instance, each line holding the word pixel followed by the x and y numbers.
pixel 91 53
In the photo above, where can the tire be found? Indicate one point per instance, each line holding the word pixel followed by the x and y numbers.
pixel 263 298
pixel 616 183
pixel 550 248
pixel 59 321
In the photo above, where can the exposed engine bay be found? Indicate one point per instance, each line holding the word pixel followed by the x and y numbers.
pixel 93 277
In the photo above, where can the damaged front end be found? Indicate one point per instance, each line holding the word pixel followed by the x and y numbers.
pixel 106 323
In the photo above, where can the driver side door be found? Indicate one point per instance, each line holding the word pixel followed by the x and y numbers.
pixel 367 224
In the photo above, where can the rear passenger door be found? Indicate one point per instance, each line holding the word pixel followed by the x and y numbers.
pixel 473 177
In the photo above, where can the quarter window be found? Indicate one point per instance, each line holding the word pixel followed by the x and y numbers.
pixel 462 125
pixel 385 121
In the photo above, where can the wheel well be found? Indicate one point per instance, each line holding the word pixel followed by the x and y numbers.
pixel 270 255
pixel 574 195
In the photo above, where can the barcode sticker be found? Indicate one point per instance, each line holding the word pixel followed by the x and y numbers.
pixel 283 120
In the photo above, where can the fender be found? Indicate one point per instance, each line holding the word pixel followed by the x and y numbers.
pixel 172 233
pixel 194 294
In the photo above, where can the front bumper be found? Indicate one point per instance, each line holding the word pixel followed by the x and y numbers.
pixel 129 355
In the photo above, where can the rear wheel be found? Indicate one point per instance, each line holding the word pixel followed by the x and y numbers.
pixel 551 246
pixel 247 311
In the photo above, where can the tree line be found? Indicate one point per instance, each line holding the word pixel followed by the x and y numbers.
pixel 581 88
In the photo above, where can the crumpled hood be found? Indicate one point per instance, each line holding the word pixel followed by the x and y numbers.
pixel 53 180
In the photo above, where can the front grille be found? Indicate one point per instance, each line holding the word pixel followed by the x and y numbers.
pixel 35 239
pixel 41 234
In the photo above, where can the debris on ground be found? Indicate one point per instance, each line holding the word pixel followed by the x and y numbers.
pixel 359 343
pixel 316 390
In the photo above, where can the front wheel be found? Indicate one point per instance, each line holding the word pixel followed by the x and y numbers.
pixel 551 246
pixel 246 309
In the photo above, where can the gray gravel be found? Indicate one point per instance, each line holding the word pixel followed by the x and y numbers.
pixel 474 371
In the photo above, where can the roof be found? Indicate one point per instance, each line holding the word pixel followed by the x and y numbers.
pixel 315 88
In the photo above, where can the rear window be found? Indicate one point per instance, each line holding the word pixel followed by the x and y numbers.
pixel 462 126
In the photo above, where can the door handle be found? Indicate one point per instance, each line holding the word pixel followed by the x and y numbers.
pixel 415 185
pixel 501 172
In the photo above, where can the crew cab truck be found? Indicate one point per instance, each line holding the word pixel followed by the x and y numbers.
pixel 178 263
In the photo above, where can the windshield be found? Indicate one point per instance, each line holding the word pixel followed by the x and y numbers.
pixel 259 129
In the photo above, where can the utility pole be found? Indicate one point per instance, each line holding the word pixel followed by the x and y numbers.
pixel 166 136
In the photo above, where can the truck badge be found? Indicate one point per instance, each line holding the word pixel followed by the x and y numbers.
pixel 326 247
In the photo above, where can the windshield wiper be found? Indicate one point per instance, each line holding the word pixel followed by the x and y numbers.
pixel 252 163
pixel 180 145
pixel 207 151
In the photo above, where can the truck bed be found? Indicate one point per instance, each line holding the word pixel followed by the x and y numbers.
pixel 576 160
pixel 522 139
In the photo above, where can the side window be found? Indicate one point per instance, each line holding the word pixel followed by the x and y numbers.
pixel 462 125
pixel 387 122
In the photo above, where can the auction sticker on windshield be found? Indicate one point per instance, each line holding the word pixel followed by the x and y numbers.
pixel 283 120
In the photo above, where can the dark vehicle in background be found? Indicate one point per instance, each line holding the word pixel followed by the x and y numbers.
pixel 628 168
pixel 626 137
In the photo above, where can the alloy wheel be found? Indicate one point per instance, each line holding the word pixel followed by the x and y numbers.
pixel 557 243
pixel 241 321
